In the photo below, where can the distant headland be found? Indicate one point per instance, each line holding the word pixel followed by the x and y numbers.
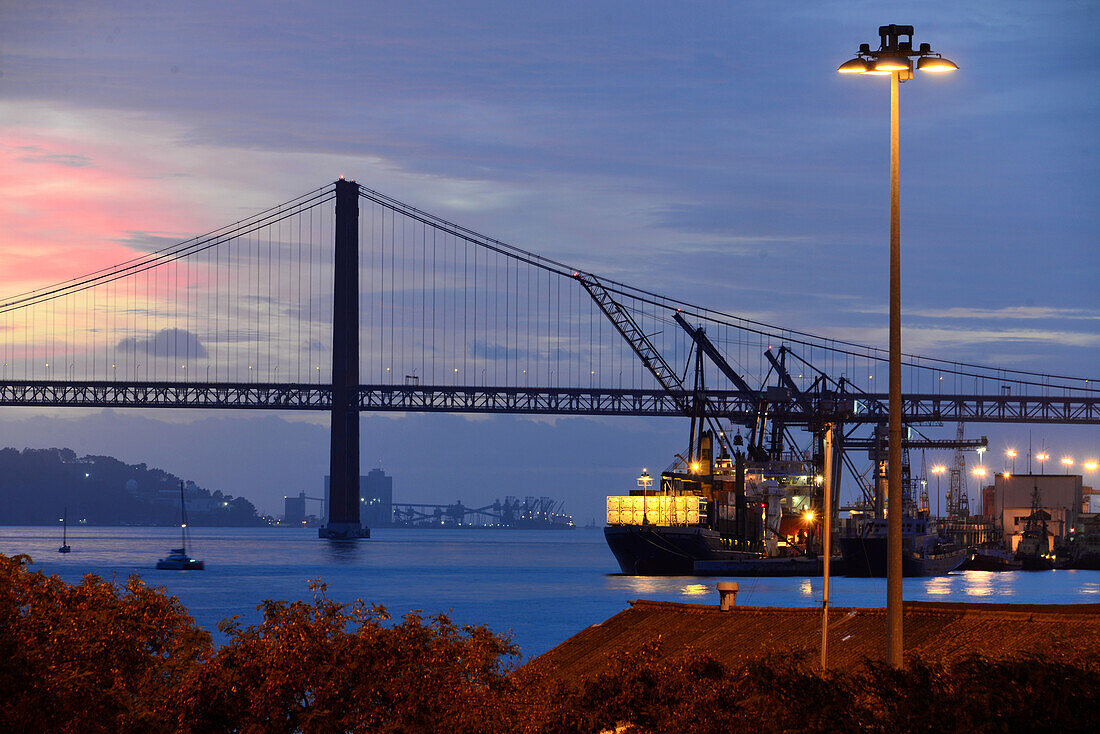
pixel 36 485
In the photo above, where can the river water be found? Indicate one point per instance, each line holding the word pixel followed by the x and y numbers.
pixel 538 586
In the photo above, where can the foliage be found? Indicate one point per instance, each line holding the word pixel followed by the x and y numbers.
pixel 92 656
pixel 99 657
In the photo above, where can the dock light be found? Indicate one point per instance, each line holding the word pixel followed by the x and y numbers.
pixel 1091 465
pixel 808 516
pixel 854 66
pixel 893 59
pixel 1067 462
pixel 695 467
pixel 936 64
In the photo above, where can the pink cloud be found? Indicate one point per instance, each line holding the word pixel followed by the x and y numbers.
pixel 69 204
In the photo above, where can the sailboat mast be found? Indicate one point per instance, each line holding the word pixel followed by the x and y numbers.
pixel 65 527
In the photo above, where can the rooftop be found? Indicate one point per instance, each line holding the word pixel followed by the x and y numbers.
pixel 934 632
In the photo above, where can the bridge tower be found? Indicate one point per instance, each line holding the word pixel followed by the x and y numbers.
pixel 343 507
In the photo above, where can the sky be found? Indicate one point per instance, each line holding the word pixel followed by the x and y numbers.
pixel 704 150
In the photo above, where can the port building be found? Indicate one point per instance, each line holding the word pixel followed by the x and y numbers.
pixel 1008 503
pixel 375 498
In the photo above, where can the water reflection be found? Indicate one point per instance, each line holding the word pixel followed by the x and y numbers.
pixel 979 583
pixel 1090 588
pixel 663 586
pixel 695 589
pixel 939 586
pixel 805 588
pixel 342 551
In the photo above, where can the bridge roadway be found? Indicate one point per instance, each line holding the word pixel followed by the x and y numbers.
pixel 739 406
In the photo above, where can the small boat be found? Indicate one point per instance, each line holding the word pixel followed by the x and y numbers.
pixel 64 533
pixel 177 559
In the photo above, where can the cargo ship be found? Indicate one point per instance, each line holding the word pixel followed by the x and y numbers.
pixel 715 508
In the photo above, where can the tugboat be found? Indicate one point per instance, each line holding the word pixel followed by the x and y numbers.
pixel 177 559
pixel 1033 551
pixel 923 553
pixel 64 533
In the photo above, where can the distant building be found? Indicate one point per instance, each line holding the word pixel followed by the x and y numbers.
pixel 376 498
pixel 1008 503
pixel 294 509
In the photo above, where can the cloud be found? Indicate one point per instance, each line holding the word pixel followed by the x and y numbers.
pixel 1022 313
pixel 35 154
pixel 166 343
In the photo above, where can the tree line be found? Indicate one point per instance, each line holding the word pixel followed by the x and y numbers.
pixel 37 485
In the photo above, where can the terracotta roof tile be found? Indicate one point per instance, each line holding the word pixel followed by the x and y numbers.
pixel 940 632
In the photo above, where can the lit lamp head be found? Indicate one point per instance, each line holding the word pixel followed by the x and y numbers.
pixel 936 64
pixel 854 66
pixel 895 54
pixel 890 64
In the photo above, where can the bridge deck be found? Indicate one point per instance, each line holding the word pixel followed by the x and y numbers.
pixel 738 406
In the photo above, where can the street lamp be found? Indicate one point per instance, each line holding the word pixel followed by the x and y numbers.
pixel 1042 457
pixel 1067 462
pixel 979 474
pixel 893 58
pixel 1011 453
pixel 938 470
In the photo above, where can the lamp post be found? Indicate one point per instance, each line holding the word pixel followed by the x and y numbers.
pixel 893 59
pixel 979 474
pixel 1091 466
pixel 938 470
pixel 1042 457
pixel 1011 453
pixel 1067 462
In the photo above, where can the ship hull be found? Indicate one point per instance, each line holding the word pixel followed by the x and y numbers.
pixel 1035 563
pixel 866 557
pixel 991 559
pixel 643 550
pixel 1085 562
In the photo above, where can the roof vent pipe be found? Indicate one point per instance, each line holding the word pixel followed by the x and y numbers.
pixel 727 595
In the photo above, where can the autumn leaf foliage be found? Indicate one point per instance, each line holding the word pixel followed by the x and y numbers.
pixel 92 656
pixel 325 666
pixel 99 657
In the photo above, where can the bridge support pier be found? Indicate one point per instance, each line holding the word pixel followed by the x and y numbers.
pixel 343 506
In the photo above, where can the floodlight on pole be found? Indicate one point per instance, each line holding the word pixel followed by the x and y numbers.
pixel 894 58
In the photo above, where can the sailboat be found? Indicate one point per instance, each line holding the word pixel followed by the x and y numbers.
pixel 64 533
pixel 177 559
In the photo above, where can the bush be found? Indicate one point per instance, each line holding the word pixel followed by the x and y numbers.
pixel 99 657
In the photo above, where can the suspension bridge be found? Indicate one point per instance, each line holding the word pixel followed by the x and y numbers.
pixel 346 300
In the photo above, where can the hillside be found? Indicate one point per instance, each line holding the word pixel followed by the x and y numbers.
pixel 37 484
